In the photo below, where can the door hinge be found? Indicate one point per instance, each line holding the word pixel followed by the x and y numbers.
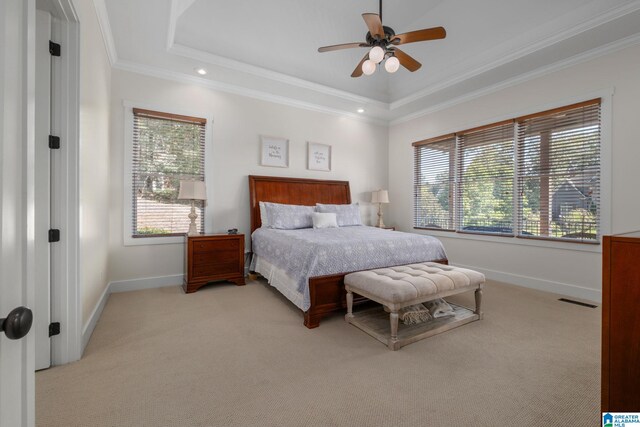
pixel 54 48
pixel 54 328
pixel 54 235
pixel 54 142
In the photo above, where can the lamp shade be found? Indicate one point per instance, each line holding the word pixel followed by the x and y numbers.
pixel 192 190
pixel 380 196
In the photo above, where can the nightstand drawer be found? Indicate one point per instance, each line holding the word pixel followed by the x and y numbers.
pixel 216 269
pixel 203 246
pixel 218 258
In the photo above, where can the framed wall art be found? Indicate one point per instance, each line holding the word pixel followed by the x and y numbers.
pixel 274 151
pixel 319 157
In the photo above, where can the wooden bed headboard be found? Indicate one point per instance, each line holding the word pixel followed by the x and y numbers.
pixel 294 191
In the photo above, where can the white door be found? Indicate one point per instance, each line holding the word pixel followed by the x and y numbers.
pixel 42 308
pixel 17 255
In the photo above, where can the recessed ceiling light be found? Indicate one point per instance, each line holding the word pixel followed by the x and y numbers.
pixel 360 110
pixel 201 71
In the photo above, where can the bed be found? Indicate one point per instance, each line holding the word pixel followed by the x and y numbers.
pixel 323 294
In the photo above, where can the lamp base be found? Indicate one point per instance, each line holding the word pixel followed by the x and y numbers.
pixel 193 229
pixel 380 223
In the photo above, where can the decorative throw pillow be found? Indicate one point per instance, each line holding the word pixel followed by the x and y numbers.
pixel 346 214
pixel 324 220
pixel 289 217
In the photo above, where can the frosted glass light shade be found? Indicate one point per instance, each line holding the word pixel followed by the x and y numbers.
pixel 368 67
pixel 380 196
pixel 376 54
pixel 392 64
pixel 192 190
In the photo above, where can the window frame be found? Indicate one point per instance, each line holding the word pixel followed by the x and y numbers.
pixel 127 222
pixel 605 96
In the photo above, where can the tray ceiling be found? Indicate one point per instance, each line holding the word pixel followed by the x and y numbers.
pixel 269 48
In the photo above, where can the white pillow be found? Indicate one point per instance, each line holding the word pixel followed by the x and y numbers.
pixel 347 214
pixel 264 219
pixel 324 220
pixel 289 217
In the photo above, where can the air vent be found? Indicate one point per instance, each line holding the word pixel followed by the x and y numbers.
pixel 584 304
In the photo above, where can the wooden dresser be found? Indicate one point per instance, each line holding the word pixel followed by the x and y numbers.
pixel 213 257
pixel 621 323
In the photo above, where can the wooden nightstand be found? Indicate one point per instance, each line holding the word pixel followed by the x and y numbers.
pixel 213 257
pixel 388 228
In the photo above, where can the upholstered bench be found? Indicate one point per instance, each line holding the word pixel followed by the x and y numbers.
pixel 406 285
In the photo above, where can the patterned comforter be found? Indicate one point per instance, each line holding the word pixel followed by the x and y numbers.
pixel 312 252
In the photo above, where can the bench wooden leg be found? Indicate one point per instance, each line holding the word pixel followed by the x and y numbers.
pixel 393 318
pixel 479 303
pixel 349 306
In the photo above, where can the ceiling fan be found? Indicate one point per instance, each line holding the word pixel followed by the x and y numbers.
pixel 383 41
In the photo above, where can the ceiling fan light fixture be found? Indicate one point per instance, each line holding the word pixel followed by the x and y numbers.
pixel 376 54
pixel 392 64
pixel 368 67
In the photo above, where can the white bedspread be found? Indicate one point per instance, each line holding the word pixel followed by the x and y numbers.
pixel 305 253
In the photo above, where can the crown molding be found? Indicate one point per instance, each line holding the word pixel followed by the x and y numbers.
pixel 519 53
pixel 162 73
pixel 105 29
pixel 210 58
pixel 574 60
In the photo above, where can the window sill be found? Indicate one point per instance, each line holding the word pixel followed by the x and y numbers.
pixel 595 247
pixel 146 241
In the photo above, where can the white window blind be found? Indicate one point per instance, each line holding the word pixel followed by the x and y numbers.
pixel 167 148
pixel 435 183
pixel 536 176
pixel 559 173
pixel 486 165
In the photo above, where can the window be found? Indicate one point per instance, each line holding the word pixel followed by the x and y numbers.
pixel 559 173
pixel 166 148
pixel 536 176
pixel 435 183
pixel 486 179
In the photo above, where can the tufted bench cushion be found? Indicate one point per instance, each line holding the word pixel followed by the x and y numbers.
pixel 405 285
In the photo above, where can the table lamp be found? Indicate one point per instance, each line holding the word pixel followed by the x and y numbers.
pixel 192 190
pixel 380 197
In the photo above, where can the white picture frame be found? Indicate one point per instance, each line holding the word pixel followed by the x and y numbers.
pixel 318 157
pixel 274 151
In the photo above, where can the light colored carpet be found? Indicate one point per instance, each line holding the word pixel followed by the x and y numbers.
pixel 239 356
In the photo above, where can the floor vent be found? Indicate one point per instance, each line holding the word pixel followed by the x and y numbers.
pixel 584 304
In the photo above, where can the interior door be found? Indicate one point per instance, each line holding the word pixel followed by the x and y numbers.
pixel 17 257
pixel 42 311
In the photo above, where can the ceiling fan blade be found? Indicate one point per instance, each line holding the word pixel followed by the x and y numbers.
pixel 374 24
pixel 341 46
pixel 419 36
pixel 406 61
pixel 358 71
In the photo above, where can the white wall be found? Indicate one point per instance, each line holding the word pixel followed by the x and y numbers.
pixel 576 273
pixel 95 94
pixel 359 156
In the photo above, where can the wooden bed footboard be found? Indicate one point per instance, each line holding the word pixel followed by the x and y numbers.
pixel 327 295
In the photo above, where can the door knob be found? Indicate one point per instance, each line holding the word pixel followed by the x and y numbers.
pixel 18 323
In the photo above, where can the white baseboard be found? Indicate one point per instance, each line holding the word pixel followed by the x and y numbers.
pixel 566 289
pixel 145 283
pixel 88 328
pixel 124 286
